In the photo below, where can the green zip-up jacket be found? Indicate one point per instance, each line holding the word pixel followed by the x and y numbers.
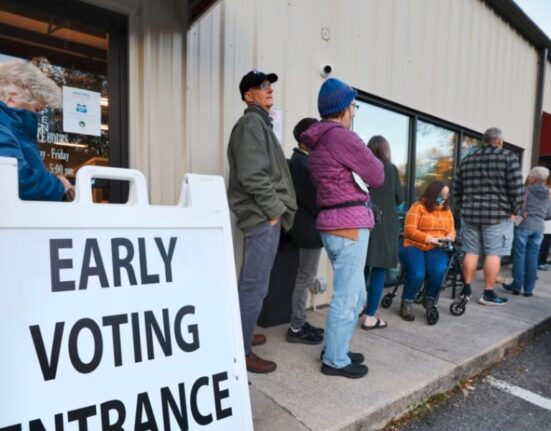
pixel 260 186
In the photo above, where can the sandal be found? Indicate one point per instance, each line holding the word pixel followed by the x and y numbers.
pixel 378 324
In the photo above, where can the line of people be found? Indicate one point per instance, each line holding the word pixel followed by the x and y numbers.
pixel 321 198
pixel 327 196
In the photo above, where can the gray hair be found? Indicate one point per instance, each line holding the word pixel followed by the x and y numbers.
pixel 492 135
pixel 539 173
pixel 27 81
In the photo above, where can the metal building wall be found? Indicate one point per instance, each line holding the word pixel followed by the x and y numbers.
pixel 456 60
pixel 157 80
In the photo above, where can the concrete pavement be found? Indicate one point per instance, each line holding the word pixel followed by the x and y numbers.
pixel 408 362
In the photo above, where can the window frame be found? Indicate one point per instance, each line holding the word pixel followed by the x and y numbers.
pixel 415 116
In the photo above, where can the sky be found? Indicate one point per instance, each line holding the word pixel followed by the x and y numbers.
pixel 539 11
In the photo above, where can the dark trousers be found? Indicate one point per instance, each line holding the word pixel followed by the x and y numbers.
pixel 259 251
pixel 544 249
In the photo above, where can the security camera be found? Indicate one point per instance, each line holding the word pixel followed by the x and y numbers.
pixel 326 70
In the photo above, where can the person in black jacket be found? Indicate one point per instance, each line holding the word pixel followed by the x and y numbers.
pixel 307 238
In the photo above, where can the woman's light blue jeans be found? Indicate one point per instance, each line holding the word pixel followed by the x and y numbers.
pixel 348 260
pixel 526 246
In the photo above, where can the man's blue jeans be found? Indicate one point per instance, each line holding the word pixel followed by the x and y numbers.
pixel 259 251
pixel 526 246
pixel 418 264
pixel 348 260
pixel 375 282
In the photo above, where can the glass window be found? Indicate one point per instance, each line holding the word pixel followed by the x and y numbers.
pixel 370 120
pixel 434 155
pixel 73 51
pixel 469 144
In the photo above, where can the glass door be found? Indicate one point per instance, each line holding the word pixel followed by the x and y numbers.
pixel 80 49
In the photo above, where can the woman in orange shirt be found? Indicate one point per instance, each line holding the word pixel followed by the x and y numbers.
pixel 427 222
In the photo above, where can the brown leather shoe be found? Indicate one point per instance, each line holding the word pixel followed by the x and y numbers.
pixel 258 339
pixel 259 365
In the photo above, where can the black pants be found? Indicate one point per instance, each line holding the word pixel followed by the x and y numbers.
pixel 544 249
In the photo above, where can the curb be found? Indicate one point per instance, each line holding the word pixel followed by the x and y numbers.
pixel 394 410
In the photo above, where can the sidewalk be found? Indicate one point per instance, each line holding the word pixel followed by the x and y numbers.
pixel 408 362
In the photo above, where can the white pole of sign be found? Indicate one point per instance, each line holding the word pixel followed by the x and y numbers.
pixel 120 316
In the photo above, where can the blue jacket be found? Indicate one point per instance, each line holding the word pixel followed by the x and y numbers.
pixel 18 139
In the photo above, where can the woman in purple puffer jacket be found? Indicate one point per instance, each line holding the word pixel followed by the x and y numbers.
pixel 345 218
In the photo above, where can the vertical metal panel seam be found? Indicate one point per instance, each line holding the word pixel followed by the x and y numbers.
pixel 222 88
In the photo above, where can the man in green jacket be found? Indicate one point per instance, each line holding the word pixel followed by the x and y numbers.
pixel 262 197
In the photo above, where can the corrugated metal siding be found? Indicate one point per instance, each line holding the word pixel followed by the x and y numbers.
pixel 456 60
pixel 157 56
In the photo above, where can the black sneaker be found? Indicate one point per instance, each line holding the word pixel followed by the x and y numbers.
pixel 492 299
pixel 314 329
pixel 356 358
pixel 509 288
pixel 352 371
pixel 303 336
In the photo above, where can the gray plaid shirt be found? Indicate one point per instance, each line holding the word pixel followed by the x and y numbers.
pixel 488 186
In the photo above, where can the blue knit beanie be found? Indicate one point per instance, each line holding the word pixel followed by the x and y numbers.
pixel 334 96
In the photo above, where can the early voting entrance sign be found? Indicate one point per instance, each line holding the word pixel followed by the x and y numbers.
pixel 119 317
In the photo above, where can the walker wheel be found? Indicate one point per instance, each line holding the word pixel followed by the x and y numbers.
pixel 387 300
pixel 457 308
pixel 432 316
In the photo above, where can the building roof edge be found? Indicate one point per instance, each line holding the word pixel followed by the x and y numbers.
pixel 512 13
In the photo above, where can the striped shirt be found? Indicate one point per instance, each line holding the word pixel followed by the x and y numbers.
pixel 421 226
pixel 488 186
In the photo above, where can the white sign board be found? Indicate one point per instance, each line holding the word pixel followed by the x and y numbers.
pixel 81 111
pixel 120 316
pixel 277 122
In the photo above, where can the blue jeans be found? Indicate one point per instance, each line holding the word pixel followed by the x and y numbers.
pixel 526 246
pixel 348 261
pixel 375 282
pixel 419 264
pixel 259 251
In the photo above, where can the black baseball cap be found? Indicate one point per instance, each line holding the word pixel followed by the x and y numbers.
pixel 253 79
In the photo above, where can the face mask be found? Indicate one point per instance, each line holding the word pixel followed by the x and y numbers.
pixel 440 200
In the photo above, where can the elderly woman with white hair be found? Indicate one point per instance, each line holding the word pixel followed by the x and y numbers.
pixel 529 232
pixel 24 92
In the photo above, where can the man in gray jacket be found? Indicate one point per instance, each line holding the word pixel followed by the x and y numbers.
pixel 262 197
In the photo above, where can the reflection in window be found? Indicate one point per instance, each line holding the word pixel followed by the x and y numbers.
pixel 469 144
pixel 370 120
pixel 434 155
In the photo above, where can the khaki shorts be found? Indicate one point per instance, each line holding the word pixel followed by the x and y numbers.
pixel 488 240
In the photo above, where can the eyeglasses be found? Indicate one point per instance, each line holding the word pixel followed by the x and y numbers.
pixel 355 106
pixel 265 85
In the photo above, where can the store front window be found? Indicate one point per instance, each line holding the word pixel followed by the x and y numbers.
pixel 371 120
pixel 74 48
pixel 469 144
pixel 434 155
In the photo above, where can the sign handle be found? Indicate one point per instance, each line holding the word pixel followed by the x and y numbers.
pixel 9 190
pixel 137 192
